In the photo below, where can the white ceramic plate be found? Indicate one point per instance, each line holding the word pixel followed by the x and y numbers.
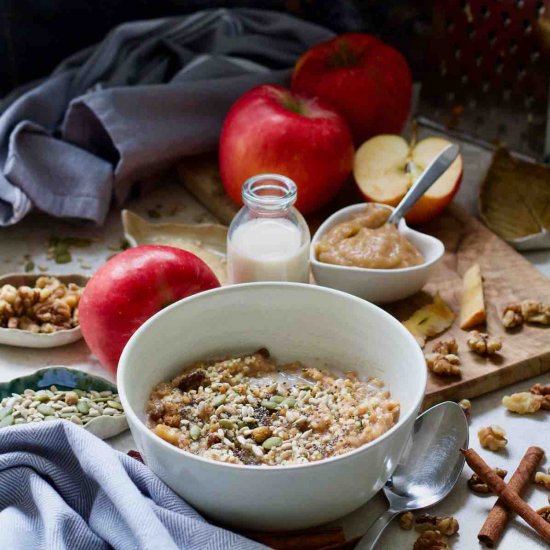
pixel 26 339
pixel 379 286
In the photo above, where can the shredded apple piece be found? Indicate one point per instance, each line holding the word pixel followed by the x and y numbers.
pixel 472 310
pixel 430 320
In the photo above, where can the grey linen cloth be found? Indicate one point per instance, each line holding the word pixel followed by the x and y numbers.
pixel 62 488
pixel 152 92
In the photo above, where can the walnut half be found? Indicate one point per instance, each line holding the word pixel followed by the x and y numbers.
pixel 477 485
pixel 482 343
pixel 446 525
pixel 492 438
pixel 523 402
pixel 444 360
pixel 543 480
pixel 431 540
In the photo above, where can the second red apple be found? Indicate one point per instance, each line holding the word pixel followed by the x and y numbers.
pixel 271 130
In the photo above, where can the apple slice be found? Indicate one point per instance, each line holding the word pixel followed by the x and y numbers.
pixel 472 309
pixel 386 166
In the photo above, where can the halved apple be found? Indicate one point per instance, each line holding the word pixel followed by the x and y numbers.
pixel 386 166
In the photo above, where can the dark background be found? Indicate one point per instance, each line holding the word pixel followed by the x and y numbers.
pixel 35 35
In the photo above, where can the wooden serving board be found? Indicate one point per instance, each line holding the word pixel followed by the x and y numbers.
pixel 508 277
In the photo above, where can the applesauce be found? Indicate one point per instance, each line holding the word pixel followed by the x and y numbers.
pixel 366 240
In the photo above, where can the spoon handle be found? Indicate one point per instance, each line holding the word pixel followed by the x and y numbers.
pixel 375 530
pixel 425 181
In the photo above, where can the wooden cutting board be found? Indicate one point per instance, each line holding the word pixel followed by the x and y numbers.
pixel 508 277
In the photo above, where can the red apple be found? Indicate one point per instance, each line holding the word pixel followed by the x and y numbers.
pixel 386 166
pixel 271 130
pixel 366 81
pixel 130 288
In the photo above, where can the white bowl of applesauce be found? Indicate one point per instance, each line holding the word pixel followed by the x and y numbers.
pixel 272 440
pixel 355 251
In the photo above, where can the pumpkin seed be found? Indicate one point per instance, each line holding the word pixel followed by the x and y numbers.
pixel 272 442
pixel 195 432
pixel 83 407
pixel 289 402
pixel 6 421
pixel 271 405
pixel 218 400
pixel 227 424
pixel 115 405
pixel 278 399
pixel 46 410
pixel 42 397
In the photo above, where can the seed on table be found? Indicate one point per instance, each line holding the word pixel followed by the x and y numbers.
pixel 38 415
pixel 76 420
pixel 20 421
pixel 83 407
pixel 45 409
pixel 42 398
pixel 272 442
pixel 94 413
pixel 272 406
pixel 109 411
pixel 70 409
pixel 195 432
pixel 114 405
pixel 227 424
pixel 6 421
pixel 106 393
pixel 47 418
pixel 26 403
pixel 278 398
pixel 289 402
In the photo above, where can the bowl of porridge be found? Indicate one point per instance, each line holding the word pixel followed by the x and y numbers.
pixel 272 406
pixel 356 251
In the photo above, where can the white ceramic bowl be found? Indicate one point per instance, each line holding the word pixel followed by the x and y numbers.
pixel 379 286
pixel 294 321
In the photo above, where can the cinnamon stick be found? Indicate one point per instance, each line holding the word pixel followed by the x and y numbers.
pixel 498 517
pixel 512 500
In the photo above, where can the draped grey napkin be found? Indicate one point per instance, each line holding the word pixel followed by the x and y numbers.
pixel 152 92
pixel 62 488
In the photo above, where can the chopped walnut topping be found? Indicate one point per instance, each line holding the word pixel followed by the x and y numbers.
pixel 466 406
pixel 522 403
pixel 406 521
pixel 544 513
pixel 431 540
pixel 48 307
pixel 543 480
pixel 477 485
pixel 492 438
pixel 482 343
pixel 444 347
pixel 446 525
pixel 528 311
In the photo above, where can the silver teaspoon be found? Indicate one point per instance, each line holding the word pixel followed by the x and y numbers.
pixel 429 468
pixel 425 181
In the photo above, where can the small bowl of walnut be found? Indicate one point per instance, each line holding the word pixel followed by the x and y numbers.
pixel 40 311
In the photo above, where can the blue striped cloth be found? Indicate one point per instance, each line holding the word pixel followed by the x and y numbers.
pixel 63 488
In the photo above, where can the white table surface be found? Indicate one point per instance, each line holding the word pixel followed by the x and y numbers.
pixel 30 237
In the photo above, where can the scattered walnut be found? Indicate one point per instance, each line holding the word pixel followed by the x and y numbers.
pixel 444 347
pixel 522 403
pixel 446 525
pixel 544 513
pixel 477 485
pixel 466 406
pixel 511 316
pixel 431 540
pixel 406 521
pixel 482 343
pixel 544 392
pixel 543 480
pixel 492 438
pixel 443 364
pixel 528 311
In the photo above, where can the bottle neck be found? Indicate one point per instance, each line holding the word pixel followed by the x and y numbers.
pixel 269 194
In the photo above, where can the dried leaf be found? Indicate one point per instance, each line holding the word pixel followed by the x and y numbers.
pixel 430 320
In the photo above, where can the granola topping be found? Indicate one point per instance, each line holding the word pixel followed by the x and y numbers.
pixel 249 410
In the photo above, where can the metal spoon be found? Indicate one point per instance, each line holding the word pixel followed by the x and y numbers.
pixel 429 468
pixel 425 181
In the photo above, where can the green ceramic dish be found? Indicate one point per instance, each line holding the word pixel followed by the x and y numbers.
pixel 70 379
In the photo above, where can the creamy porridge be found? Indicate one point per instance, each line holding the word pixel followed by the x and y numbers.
pixel 366 240
pixel 249 410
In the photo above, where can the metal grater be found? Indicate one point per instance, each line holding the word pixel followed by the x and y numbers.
pixel 489 76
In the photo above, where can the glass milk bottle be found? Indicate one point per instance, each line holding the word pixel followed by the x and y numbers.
pixel 268 239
